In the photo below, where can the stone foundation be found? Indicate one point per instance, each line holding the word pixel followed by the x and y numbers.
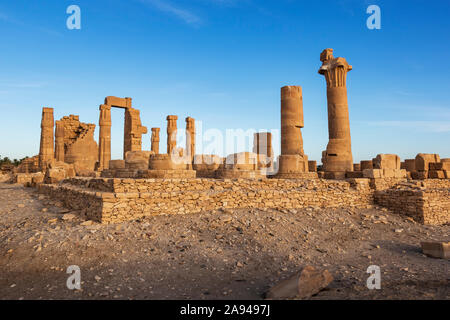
pixel 114 200
pixel 110 200
pixel 427 202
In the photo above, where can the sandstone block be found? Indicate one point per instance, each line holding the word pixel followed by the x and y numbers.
pixel 366 164
pixel 354 174
pixel 302 285
pixel 423 160
pixel 372 173
pixel 436 249
pixel 312 166
pixel 419 175
pixel 116 164
pixel 436 174
pixel 387 161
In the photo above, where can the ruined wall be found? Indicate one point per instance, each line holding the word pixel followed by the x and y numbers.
pixel 80 147
pixel 127 199
pixel 426 202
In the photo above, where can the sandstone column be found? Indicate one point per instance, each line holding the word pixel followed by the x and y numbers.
pixel 171 133
pixel 46 150
pixel 190 137
pixel 59 141
pixel 133 131
pixel 338 155
pixel 292 159
pixel 155 140
pixel 104 149
pixel 262 146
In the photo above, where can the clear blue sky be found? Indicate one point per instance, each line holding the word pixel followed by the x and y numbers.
pixel 223 62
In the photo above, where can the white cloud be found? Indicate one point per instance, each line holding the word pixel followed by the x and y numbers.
pixel 428 126
pixel 183 14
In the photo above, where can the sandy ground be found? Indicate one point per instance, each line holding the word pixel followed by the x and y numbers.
pixel 226 254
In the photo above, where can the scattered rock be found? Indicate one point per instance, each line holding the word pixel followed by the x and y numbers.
pixel 68 217
pixel 302 285
pixel 436 249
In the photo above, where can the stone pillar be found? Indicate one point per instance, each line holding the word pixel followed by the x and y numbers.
pixel 133 131
pixel 104 150
pixel 190 137
pixel 46 150
pixel 171 133
pixel 155 140
pixel 338 155
pixel 262 146
pixel 292 160
pixel 59 141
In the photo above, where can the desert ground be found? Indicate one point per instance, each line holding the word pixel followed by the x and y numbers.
pixel 224 254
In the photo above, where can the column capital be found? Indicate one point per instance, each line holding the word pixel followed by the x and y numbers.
pixel 334 69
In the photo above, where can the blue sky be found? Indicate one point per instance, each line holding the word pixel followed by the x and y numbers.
pixel 223 62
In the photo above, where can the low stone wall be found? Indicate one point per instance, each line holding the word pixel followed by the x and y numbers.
pixel 114 200
pixel 110 200
pixel 426 202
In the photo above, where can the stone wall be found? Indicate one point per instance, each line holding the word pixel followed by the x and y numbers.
pixel 111 200
pixel 426 202
pixel 127 199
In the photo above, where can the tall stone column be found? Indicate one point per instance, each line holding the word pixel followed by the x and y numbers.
pixel 155 140
pixel 104 150
pixel 59 141
pixel 292 160
pixel 190 137
pixel 46 150
pixel 338 156
pixel 171 133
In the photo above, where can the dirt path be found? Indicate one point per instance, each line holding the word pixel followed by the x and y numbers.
pixel 230 254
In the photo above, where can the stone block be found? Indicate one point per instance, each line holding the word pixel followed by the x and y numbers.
pixel 436 174
pixel 137 160
pixel 423 160
pixel 435 249
pixel 402 173
pixel 354 174
pixel 387 161
pixel 372 173
pixel 445 164
pixel 335 175
pixel 419 175
pixel 388 173
pixel 410 165
pixel 118 102
pixel 366 164
pixel 116 164
pixel 312 166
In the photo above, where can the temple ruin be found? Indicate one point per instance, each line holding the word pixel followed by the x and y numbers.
pixel 73 169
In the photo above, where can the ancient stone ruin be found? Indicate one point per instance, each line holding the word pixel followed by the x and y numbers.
pixel 71 168
pixel 337 159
